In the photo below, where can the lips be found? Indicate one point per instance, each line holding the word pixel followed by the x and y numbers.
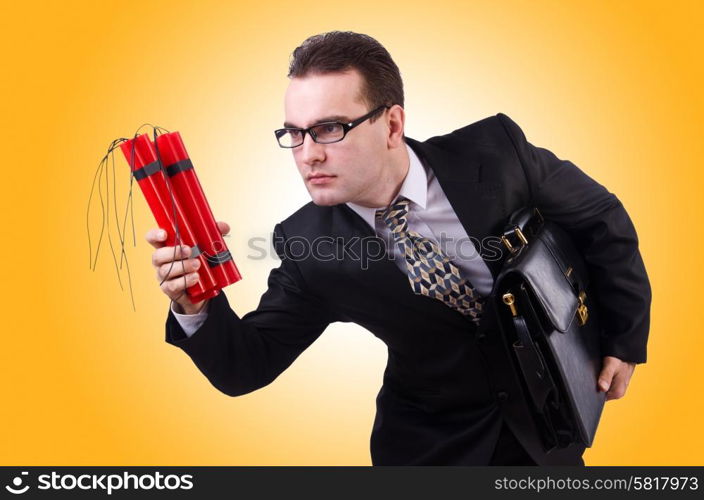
pixel 320 178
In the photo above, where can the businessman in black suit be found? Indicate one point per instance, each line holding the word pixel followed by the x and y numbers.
pixel 384 215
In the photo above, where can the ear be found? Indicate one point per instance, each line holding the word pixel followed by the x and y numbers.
pixel 395 119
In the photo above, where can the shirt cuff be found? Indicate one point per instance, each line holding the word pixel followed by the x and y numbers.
pixel 190 322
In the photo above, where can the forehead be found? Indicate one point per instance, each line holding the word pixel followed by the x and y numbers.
pixel 320 96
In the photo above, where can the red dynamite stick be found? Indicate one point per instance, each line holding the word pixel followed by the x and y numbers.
pixel 190 194
pixel 148 173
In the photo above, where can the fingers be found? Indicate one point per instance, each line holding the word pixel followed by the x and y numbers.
pixel 608 371
pixel 177 268
pixel 618 388
pixel 176 287
pixel 156 237
pixel 174 270
pixel 224 227
pixel 165 255
pixel 615 377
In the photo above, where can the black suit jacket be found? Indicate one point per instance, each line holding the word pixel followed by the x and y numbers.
pixel 447 385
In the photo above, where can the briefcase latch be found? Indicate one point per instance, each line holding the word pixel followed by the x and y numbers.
pixel 582 311
pixel 510 301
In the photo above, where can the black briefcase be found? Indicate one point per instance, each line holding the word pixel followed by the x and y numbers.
pixel 545 311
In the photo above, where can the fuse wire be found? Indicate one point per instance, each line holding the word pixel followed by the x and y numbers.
pixel 102 173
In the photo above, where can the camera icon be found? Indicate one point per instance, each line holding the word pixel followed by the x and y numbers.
pixel 17 483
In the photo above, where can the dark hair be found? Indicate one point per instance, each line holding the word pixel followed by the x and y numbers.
pixel 344 50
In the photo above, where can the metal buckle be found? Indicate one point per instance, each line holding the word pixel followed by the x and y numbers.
pixel 517 231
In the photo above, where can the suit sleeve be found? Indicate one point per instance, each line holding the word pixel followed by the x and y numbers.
pixel 240 355
pixel 600 226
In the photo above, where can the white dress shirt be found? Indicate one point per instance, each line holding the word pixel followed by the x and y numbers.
pixel 430 214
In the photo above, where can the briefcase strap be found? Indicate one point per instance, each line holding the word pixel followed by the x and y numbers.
pixel 523 226
pixel 535 373
pixel 541 387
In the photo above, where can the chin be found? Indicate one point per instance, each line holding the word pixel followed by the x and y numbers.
pixel 326 199
pixel 325 202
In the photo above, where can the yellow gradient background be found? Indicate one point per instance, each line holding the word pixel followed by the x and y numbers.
pixel 616 87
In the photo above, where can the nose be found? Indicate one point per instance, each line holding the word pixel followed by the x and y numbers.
pixel 311 152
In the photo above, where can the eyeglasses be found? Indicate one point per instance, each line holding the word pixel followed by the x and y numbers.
pixel 322 133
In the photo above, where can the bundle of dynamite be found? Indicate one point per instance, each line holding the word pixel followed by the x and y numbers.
pixel 165 174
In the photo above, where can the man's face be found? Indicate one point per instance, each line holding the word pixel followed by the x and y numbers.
pixel 344 171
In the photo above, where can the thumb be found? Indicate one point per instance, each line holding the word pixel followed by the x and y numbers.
pixel 607 374
pixel 223 227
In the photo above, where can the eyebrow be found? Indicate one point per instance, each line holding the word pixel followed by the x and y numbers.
pixel 325 119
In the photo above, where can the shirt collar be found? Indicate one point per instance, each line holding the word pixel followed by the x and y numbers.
pixel 414 187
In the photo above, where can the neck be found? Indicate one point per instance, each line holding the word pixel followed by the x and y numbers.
pixel 386 189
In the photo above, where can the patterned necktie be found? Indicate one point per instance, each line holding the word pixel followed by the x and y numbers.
pixel 429 271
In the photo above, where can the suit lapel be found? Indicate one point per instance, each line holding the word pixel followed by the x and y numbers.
pixel 364 251
pixel 476 201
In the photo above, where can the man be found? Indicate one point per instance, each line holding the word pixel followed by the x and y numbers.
pixel 450 394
